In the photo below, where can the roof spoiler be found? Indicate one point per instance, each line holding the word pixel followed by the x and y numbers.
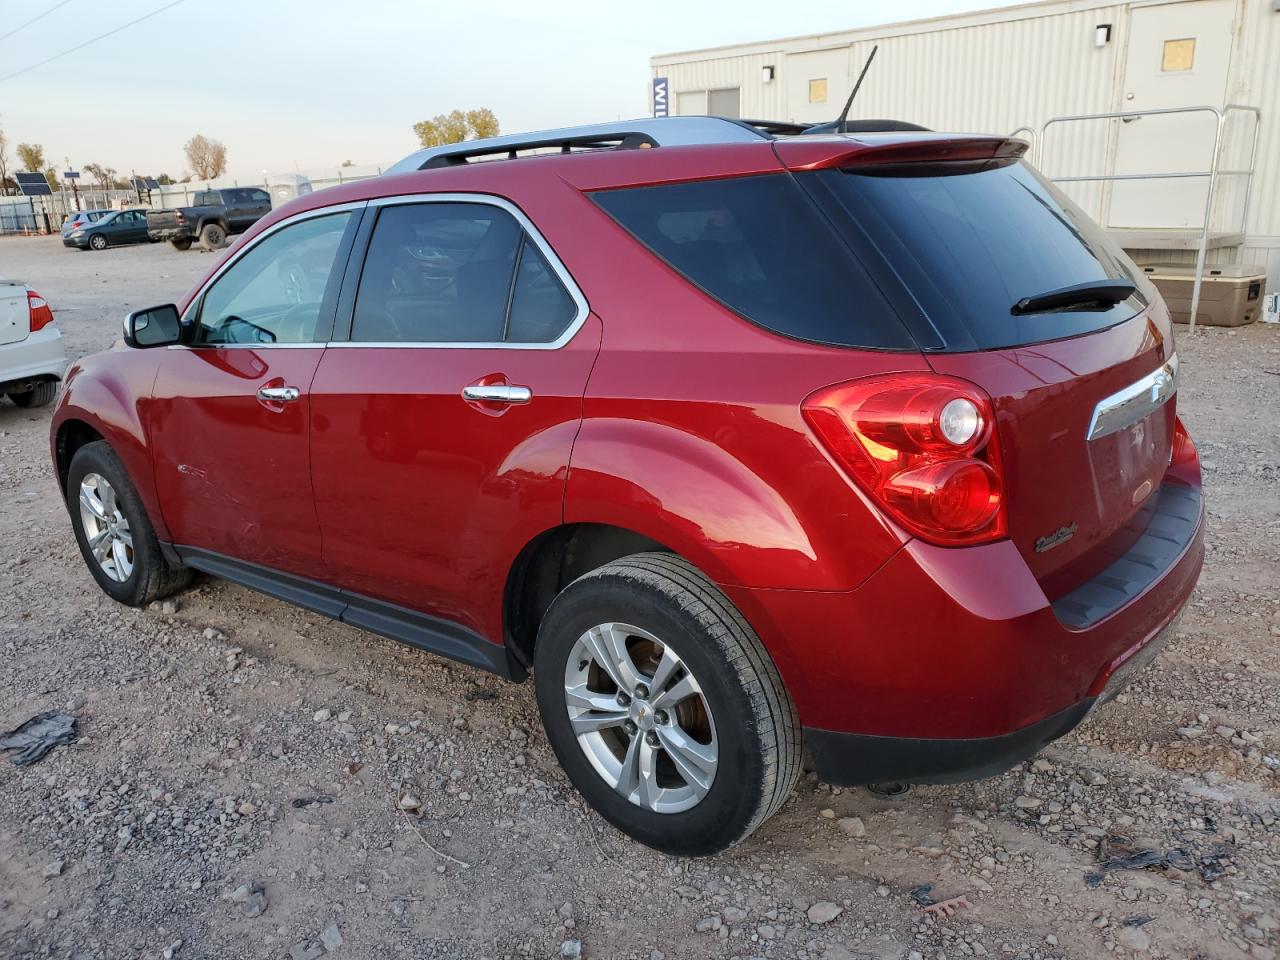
pixel 824 153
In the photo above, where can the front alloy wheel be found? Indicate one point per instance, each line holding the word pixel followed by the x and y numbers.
pixel 106 528
pixel 114 533
pixel 641 717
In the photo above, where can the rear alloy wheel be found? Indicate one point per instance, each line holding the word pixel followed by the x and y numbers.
pixel 212 236
pixel 641 718
pixel 115 535
pixel 98 242
pixel 181 243
pixel 663 706
pixel 40 395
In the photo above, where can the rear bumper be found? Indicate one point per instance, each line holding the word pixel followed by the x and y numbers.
pixel 949 664
pixel 39 356
pixel 171 233
pixel 850 759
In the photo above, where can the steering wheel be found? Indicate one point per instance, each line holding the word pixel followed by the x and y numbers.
pixel 298 323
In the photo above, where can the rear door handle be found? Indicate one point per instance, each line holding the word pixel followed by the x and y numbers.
pixel 497 393
pixel 279 394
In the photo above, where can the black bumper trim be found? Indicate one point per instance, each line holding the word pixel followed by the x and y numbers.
pixel 389 620
pixel 1170 531
pixel 853 759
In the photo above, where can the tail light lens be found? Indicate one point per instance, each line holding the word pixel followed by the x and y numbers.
pixel 41 312
pixel 922 447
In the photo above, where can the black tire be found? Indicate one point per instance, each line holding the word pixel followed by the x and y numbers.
pixel 40 395
pixel 98 242
pixel 181 243
pixel 757 729
pixel 152 577
pixel 212 236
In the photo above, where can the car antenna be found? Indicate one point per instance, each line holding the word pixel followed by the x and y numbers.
pixel 844 114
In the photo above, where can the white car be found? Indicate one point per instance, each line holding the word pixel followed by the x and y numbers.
pixel 31 357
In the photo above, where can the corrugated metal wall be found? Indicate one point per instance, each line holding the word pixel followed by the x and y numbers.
pixel 998 70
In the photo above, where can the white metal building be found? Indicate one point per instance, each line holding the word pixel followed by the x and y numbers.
pixel 1019 68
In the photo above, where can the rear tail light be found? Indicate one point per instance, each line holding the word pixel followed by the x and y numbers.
pixel 922 447
pixel 41 313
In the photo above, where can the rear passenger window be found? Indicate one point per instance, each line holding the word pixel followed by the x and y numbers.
pixel 457 273
pixel 540 306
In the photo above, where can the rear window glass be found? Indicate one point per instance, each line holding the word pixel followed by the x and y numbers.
pixel 761 247
pixel 970 242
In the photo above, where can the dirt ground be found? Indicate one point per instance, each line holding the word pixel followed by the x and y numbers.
pixel 233 791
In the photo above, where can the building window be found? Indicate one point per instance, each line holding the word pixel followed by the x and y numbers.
pixel 818 90
pixel 1178 54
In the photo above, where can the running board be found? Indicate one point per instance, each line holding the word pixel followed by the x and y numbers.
pixel 377 616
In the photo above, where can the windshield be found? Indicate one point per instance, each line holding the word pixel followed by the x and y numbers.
pixel 969 242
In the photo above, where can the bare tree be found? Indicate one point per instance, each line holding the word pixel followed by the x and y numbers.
pixel 105 176
pixel 207 157
pixel 4 164
pixel 31 156
pixel 456 126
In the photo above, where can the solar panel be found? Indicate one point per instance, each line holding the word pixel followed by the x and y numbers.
pixel 33 184
pixel 153 183
pixel 138 183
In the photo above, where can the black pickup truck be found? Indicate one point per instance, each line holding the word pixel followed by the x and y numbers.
pixel 216 214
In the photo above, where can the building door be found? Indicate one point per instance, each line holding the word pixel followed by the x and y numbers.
pixel 1177 57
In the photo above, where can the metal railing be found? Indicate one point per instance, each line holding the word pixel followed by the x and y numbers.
pixel 1213 174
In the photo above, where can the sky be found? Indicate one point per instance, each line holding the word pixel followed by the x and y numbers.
pixel 292 85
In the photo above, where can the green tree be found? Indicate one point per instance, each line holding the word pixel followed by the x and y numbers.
pixel 456 126
pixel 483 123
pixel 164 180
pixel 207 157
pixel 51 175
pixel 31 156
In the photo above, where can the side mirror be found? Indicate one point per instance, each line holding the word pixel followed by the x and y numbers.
pixel 153 327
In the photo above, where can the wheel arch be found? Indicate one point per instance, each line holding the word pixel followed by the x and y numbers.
pixel 71 435
pixel 550 562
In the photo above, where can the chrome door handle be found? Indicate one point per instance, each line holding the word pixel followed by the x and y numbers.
pixel 497 393
pixel 279 394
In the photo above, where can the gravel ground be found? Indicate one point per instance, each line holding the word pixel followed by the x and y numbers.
pixel 239 782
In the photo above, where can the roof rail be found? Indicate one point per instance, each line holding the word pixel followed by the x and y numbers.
pixel 649 131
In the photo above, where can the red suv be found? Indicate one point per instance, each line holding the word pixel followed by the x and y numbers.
pixel 745 444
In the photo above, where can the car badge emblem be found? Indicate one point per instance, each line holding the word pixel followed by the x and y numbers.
pixel 1057 538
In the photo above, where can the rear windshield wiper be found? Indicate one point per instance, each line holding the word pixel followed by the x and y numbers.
pixel 1101 292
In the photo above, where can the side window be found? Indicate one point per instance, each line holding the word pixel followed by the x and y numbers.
pixel 274 293
pixel 259 196
pixel 456 273
pixel 541 307
pixel 207 198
